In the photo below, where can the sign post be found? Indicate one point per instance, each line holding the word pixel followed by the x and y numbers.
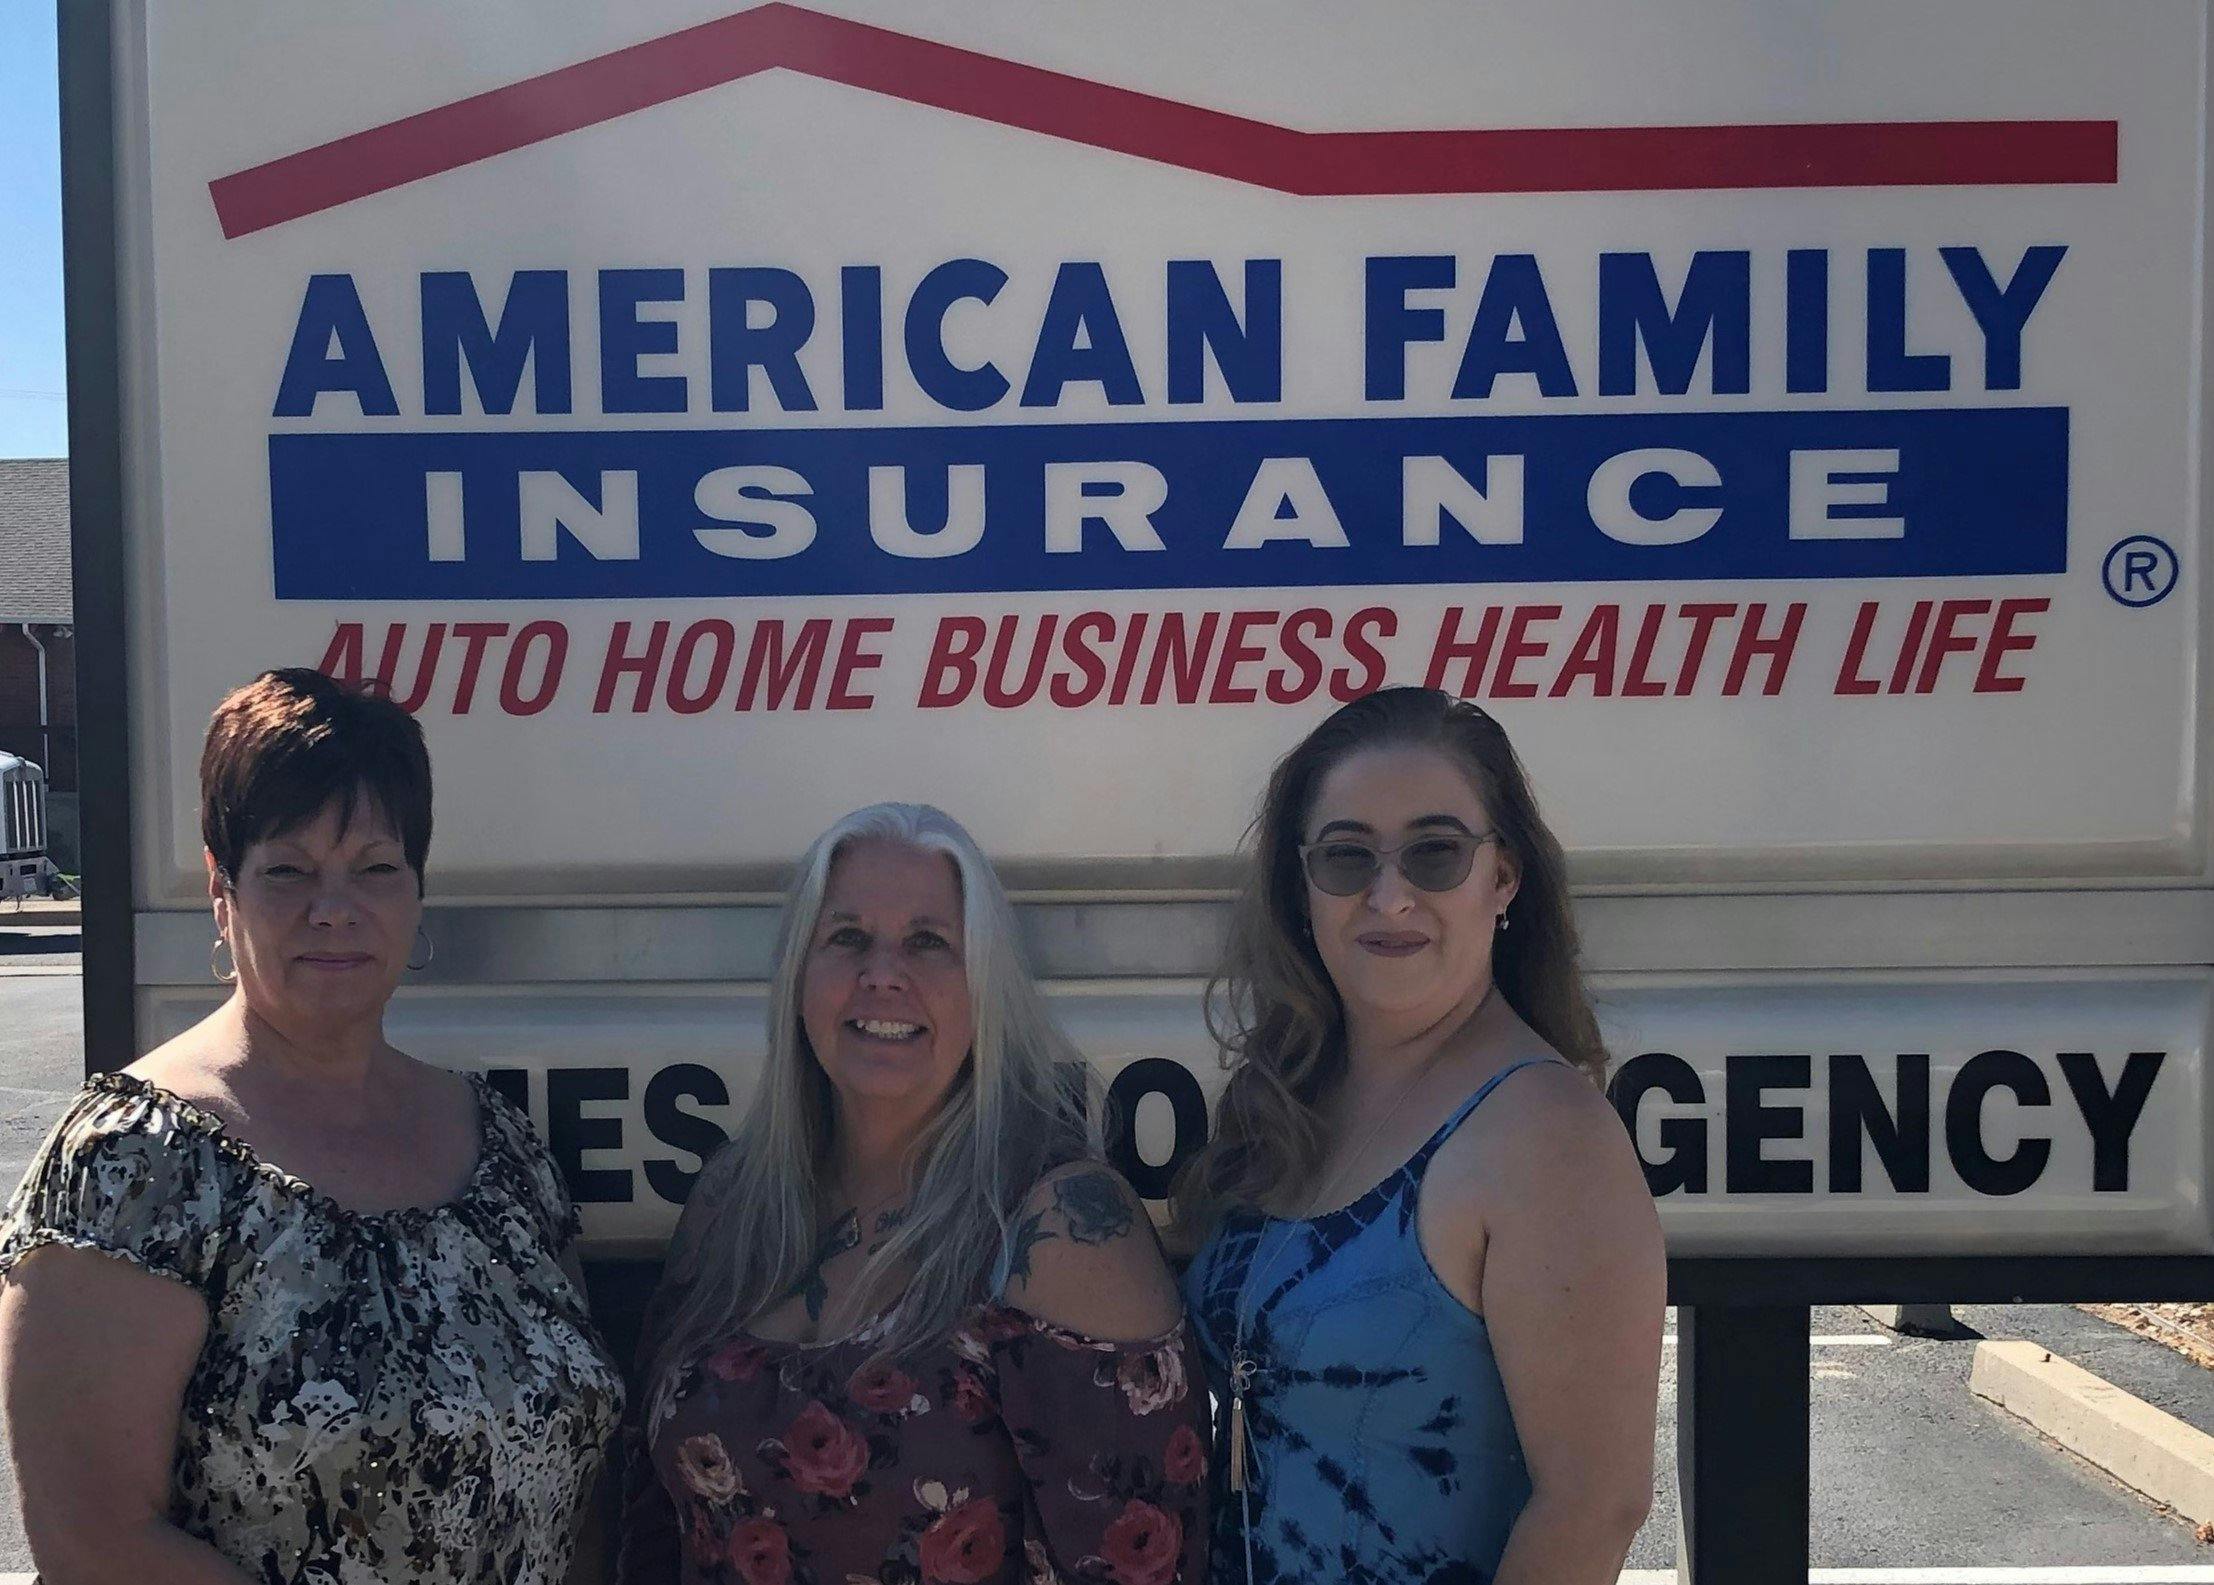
pixel 1742 1402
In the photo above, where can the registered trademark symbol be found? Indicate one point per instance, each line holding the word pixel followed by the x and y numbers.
pixel 2140 570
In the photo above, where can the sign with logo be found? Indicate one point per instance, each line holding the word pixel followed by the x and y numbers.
pixel 716 418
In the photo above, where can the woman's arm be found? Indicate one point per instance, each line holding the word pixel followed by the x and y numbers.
pixel 1575 1284
pixel 94 1357
pixel 648 1545
pixel 1100 1387
pixel 588 1562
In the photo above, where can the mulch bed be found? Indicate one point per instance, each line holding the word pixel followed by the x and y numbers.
pixel 2186 1328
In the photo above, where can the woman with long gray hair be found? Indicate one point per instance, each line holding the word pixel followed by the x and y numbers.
pixel 913 1328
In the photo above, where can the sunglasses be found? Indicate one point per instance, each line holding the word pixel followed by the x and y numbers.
pixel 1436 862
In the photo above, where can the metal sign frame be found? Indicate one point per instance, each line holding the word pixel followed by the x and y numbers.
pixel 92 303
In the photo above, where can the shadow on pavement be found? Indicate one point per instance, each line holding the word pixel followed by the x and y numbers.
pixel 39 943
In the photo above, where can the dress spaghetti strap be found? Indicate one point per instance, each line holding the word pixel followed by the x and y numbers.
pixel 1445 1130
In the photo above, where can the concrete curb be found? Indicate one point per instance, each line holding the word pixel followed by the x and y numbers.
pixel 41 916
pixel 2141 1446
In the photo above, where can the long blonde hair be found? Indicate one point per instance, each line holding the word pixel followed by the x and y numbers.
pixel 1272 1008
pixel 1019 1107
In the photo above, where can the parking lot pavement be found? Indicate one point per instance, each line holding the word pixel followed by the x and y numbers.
pixel 41 1064
pixel 1911 1469
pixel 2091 1574
pixel 39 938
pixel 41 1052
pixel 1916 1478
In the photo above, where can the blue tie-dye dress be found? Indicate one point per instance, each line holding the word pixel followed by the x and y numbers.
pixel 1381 1446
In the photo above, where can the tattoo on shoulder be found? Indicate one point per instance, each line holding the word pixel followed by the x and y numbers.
pixel 1029 1233
pixel 1094 1206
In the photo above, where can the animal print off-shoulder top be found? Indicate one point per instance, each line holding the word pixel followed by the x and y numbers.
pixel 410 1395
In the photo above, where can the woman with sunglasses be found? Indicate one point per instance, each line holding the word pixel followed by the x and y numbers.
pixel 1429 1280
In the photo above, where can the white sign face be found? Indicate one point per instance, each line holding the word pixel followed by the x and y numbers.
pixel 1782 416
pixel 2055 1114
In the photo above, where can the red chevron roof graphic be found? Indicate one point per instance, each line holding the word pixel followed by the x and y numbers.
pixel 1308 164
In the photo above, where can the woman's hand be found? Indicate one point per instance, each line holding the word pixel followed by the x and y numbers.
pixel 1575 1283
pixel 94 1357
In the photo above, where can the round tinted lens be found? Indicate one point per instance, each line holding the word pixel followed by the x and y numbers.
pixel 1341 868
pixel 1437 864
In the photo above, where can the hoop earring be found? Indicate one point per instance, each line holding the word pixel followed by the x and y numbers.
pixel 430 950
pixel 225 976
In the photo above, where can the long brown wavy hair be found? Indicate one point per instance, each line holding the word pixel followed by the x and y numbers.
pixel 1272 1008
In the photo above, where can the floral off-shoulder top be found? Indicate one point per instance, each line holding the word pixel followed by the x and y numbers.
pixel 413 1395
pixel 1014 1453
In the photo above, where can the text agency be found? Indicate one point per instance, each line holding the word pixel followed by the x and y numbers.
pixel 1994 1125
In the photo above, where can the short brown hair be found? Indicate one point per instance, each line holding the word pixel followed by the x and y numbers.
pixel 293 740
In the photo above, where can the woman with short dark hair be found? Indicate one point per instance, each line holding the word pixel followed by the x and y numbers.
pixel 280 1302
pixel 1431 1286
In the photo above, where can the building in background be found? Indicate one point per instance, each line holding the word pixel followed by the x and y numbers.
pixel 38 672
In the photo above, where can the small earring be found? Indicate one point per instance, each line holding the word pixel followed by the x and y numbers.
pixel 430 949
pixel 1502 920
pixel 222 946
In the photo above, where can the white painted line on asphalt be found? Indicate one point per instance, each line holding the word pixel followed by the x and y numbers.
pixel 2041 1574
pixel 1834 1340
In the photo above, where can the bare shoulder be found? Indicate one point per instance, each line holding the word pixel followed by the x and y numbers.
pixel 1547 1133
pixel 696 1217
pixel 1564 1183
pixel 1081 1254
pixel 186 1066
pixel 447 1092
pixel 1087 1209
pixel 1556 1095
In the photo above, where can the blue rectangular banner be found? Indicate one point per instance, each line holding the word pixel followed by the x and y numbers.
pixel 624 514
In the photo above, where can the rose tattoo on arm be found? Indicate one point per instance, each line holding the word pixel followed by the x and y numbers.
pixel 1093 1207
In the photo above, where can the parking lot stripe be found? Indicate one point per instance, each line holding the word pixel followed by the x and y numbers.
pixel 1834 1340
pixel 2040 1574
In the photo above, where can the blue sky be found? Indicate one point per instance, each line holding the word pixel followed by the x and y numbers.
pixel 33 418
